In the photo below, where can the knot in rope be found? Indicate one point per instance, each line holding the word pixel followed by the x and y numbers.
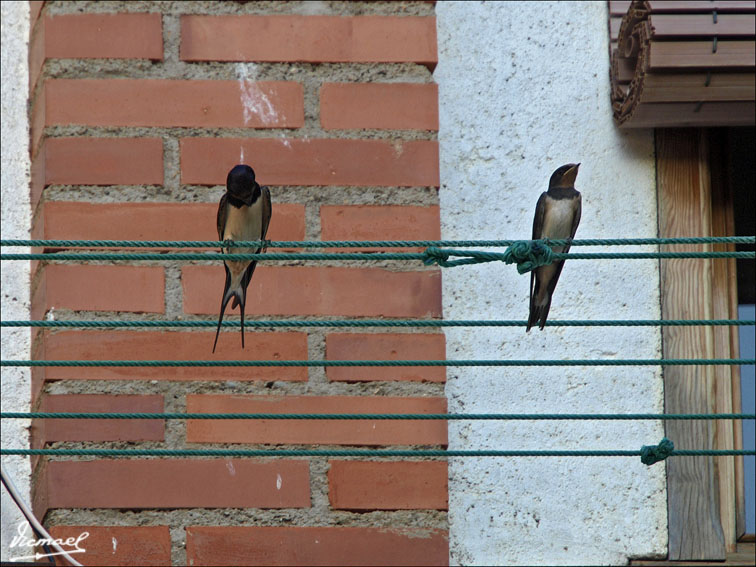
pixel 441 257
pixel 435 255
pixel 651 454
pixel 528 255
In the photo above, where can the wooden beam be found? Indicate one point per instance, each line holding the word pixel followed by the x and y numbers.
pixel 706 6
pixel 684 191
pixel 695 87
pixel 725 25
pixel 620 7
pixel 688 55
pixel 690 114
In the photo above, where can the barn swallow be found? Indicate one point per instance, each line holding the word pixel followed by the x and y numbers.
pixel 557 216
pixel 243 214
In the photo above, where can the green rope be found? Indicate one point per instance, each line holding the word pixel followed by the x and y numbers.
pixel 383 416
pixel 354 453
pixel 271 256
pixel 651 454
pixel 361 363
pixel 374 243
pixel 528 256
pixel 438 256
pixel 384 323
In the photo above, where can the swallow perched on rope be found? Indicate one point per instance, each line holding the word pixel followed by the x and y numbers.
pixel 557 216
pixel 243 214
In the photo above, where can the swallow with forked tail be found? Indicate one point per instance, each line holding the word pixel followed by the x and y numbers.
pixel 557 216
pixel 243 214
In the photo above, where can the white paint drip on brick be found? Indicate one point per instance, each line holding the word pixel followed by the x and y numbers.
pixel 254 101
pixel 231 469
pixel 115 545
pixel 279 482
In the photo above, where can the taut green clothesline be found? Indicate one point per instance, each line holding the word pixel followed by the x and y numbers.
pixel 360 363
pixel 527 254
pixel 430 256
pixel 383 323
pixel 384 416
pixel 649 454
pixel 376 243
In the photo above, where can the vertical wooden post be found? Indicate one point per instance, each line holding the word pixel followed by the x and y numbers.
pixel 684 193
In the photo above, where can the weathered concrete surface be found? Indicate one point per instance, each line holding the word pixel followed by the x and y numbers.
pixel 15 212
pixel 524 88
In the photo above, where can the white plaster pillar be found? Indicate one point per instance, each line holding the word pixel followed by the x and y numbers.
pixel 16 219
pixel 524 88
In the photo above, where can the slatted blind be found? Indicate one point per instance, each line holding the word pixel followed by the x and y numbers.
pixel 682 63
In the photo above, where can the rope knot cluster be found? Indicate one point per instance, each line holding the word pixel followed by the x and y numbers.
pixel 529 255
pixel 526 254
pixel 441 257
pixel 651 454
pixel 435 255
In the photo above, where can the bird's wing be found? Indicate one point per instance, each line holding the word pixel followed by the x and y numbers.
pixel 267 210
pixel 265 221
pixel 539 214
pixel 575 221
pixel 537 229
pixel 222 214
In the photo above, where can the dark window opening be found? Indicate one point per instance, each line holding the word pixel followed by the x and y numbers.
pixel 741 174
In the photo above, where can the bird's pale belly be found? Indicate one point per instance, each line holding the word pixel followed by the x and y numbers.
pixel 558 223
pixel 244 223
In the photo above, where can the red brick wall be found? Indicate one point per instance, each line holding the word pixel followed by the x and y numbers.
pixel 137 116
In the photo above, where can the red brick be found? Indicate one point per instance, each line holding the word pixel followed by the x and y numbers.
pixel 292 290
pixel 36 45
pixel 81 287
pixel 279 161
pixel 37 120
pixel 253 545
pixel 375 485
pixel 104 36
pixel 35 8
pixel 386 346
pixel 312 39
pixel 74 220
pixel 104 161
pixel 388 106
pixel 171 103
pixel 320 431
pixel 119 545
pixel 154 345
pixel 174 483
pixel 37 181
pixel 102 429
pixel 380 222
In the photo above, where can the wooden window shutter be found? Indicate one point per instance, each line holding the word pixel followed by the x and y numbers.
pixel 682 63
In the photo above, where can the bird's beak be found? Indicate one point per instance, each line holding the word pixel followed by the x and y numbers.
pixel 570 175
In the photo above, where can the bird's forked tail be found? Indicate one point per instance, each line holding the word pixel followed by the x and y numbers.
pixel 239 294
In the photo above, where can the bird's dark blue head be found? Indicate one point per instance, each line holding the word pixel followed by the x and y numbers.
pixel 564 176
pixel 241 184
